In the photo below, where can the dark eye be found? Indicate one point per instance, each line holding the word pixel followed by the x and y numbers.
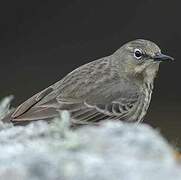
pixel 138 53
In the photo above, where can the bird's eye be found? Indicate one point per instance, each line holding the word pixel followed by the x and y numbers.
pixel 138 53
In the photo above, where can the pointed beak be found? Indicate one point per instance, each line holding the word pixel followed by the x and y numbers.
pixel 162 57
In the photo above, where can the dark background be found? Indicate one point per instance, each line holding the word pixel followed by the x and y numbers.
pixel 41 41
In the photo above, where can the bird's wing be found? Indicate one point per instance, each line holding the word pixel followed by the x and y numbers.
pixel 45 105
pixel 107 102
pixel 88 93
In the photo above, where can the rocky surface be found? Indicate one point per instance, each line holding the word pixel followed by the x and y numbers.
pixel 114 150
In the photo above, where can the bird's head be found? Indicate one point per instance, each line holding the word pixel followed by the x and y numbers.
pixel 141 58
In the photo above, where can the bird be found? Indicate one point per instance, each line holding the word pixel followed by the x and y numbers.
pixel 115 87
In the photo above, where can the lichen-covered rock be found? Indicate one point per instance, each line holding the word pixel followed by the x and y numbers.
pixel 113 150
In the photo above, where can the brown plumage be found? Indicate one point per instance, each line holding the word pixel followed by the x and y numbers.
pixel 117 87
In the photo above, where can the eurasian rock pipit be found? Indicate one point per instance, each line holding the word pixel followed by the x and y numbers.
pixel 116 87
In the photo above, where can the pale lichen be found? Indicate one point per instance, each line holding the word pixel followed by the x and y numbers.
pixel 113 150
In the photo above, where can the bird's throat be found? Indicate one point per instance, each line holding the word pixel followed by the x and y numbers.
pixel 150 73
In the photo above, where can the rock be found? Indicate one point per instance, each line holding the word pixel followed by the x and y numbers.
pixel 113 150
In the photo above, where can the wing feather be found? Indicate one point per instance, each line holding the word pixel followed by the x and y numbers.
pixel 31 102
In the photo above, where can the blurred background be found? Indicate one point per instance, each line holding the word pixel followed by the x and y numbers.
pixel 41 41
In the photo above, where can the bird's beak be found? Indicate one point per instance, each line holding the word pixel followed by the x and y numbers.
pixel 162 57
